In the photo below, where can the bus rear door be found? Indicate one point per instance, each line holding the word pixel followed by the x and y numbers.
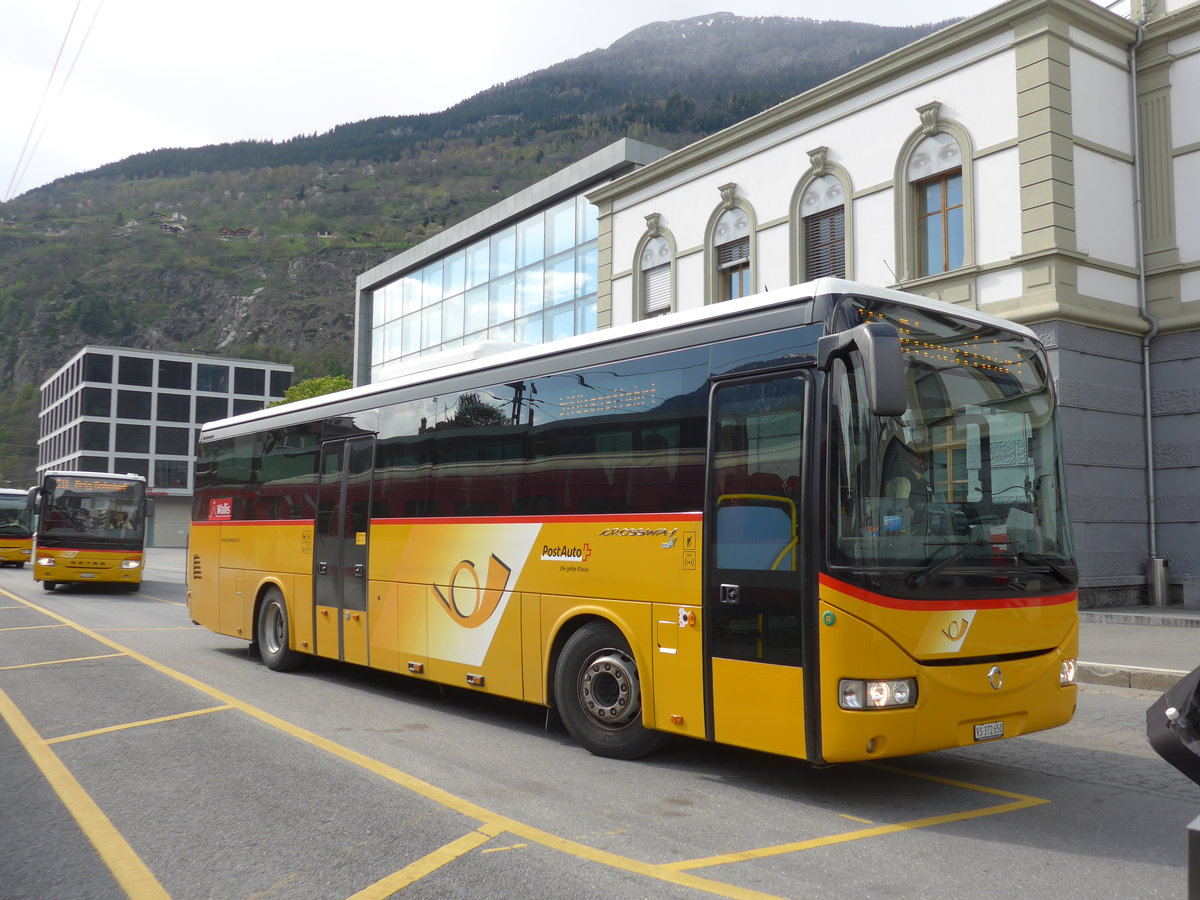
pixel 340 545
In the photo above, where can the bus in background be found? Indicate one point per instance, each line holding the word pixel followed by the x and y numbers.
pixel 91 528
pixel 826 522
pixel 16 528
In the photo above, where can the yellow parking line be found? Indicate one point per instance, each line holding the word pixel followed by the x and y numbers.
pixel 431 862
pixel 59 662
pixel 29 627
pixel 156 721
pixel 126 866
pixel 846 837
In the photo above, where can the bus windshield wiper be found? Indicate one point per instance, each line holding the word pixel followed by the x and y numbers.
pixel 1037 559
pixel 916 579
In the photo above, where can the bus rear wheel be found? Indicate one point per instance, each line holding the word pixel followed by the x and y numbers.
pixel 599 694
pixel 273 631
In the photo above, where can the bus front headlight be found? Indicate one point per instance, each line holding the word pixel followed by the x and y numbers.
pixel 856 693
pixel 1066 672
pixel 45 560
pixel 131 563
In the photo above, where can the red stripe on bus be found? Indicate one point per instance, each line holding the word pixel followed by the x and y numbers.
pixel 85 550
pixel 896 603
pixel 546 520
pixel 309 522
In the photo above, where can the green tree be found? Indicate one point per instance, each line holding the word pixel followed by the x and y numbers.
pixel 314 387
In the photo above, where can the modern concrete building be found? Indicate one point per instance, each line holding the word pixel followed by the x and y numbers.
pixel 1034 162
pixel 120 410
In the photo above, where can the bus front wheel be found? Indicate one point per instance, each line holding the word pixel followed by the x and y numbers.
pixel 599 694
pixel 49 585
pixel 273 631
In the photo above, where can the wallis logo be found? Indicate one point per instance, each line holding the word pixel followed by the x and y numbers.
pixel 471 602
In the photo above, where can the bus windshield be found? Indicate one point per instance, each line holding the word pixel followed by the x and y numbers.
pixel 16 518
pixel 96 507
pixel 963 495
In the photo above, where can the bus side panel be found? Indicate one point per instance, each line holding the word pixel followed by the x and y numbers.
pixel 746 715
pixel 383 617
pixel 678 670
pixel 283 547
pixel 532 663
pixel 300 602
pixel 203 575
pixel 457 658
pixel 231 603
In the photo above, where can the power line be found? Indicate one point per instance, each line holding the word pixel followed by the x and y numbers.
pixel 23 160
pixel 62 87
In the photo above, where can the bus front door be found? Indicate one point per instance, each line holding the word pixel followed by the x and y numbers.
pixel 752 581
pixel 340 544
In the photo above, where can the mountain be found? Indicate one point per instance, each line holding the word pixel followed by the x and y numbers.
pixel 251 248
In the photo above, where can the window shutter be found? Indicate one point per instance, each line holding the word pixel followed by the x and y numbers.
pixel 656 291
pixel 734 253
pixel 825 245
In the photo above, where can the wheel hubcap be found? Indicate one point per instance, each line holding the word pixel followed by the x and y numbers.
pixel 608 688
pixel 273 635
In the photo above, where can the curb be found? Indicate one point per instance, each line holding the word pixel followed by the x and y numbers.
pixel 1127 676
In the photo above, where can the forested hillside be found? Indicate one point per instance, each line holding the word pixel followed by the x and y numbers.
pixel 251 248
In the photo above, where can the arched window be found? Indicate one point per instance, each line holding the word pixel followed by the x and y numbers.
pixel 820 222
pixel 654 283
pixel 730 248
pixel 935 230
pixel 935 172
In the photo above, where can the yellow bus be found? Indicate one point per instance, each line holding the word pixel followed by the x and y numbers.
pixel 826 522
pixel 91 529
pixel 16 533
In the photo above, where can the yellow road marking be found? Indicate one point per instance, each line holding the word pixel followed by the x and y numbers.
pixel 30 627
pixel 503 849
pixel 830 840
pixel 160 599
pixel 111 728
pixel 126 866
pixel 59 662
pixel 857 819
pixel 431 862
pixel 493 823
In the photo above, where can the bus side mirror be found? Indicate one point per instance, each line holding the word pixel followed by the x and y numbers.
pixel 31 497
pixel 878 345
pixel 149 507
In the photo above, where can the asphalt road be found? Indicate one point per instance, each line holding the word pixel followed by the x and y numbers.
pixel 146 757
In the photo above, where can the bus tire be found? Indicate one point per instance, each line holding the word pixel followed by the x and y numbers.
pixel 49 585
pixel 273 633
pixel 599 695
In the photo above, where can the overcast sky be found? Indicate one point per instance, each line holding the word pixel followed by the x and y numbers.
pixel 89 82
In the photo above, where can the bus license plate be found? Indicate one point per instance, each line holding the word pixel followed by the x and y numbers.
pixel 989 730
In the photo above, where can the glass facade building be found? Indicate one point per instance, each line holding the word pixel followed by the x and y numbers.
pixel 524 271
pixel 529 282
